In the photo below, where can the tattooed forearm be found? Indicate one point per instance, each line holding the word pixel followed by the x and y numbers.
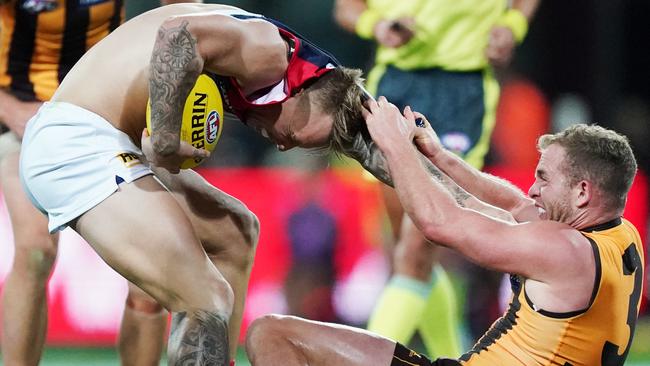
pixel 457 192
pixel 367 153
pixel 460 195
pixel 174 67
pixel 370 157
pixel 201 340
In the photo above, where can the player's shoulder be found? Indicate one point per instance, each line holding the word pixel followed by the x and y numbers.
pixel 558 235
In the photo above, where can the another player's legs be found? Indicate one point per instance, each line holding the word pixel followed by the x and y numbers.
pixel 144 234
pixel 419 286
pixel 227 230
pixel 143 329
pixel 275 340
pixel 400 307
pixel 25 299
pixel 24 307
pixel 440 324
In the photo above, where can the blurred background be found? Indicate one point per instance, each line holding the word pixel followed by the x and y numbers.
pixel 324 227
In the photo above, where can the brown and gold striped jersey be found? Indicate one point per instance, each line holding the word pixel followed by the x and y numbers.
pixel 40 40
pixel 601 334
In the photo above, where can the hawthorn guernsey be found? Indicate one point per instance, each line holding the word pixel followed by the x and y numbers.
pixel 202 118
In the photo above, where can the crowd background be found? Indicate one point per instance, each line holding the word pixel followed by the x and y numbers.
pixel 323 228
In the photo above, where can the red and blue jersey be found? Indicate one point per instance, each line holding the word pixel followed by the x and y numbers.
pixel 307 62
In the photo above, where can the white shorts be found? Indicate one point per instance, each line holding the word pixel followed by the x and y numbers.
pixel 72 159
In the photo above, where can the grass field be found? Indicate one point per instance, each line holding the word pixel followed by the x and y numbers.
pixel 639 353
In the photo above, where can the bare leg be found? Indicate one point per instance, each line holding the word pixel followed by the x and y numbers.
pixel 200 338
pixel 414 256
pixel 275 340
pixel 25 289
pixel 227 230
pixel 142 333
pixel 152 243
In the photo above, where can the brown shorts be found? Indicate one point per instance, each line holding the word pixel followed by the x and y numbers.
pixel 403 356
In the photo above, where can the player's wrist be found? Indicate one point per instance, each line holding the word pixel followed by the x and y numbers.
pixel 436 153
pixel 516 21
pixel 165 145
pixel 365 26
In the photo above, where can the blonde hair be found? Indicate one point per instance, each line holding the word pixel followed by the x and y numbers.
pixel 339 93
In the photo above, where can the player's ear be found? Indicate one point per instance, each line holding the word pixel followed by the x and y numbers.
pixel 583 192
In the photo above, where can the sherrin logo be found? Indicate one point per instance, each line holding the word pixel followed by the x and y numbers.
pixel 198 122
pixel 202 122
pixel 212 125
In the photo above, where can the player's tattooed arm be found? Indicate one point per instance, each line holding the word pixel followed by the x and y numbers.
pixel 175 65
pixel 367 153
pixel 370 157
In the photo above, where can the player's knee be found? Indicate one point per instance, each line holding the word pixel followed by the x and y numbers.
pixel 210 293
pixel 221 297
pixel 36 260
pixel 249 226
pixel 239 242
pixel 139 301
pixel 251 232
pixel 265 330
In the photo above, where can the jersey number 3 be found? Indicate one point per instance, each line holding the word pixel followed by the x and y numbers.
pixel 631 266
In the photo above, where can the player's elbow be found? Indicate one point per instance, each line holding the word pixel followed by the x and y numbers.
pixel 434 227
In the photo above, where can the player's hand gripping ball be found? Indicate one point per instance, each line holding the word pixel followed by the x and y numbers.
pixel 202 118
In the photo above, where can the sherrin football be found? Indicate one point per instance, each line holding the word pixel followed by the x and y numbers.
pixel 202 118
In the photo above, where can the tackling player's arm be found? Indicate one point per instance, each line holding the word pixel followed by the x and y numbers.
pixel 545 251
pixel 368 154
pixel 486 187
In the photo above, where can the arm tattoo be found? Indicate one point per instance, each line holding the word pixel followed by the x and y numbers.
pixel 174 67
pixel 366 152
pixel 457 192
pixel 199 340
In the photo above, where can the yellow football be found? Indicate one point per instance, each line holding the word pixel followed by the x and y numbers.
pixel 202 118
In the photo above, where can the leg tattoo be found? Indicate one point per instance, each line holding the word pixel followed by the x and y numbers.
pixel 199 339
